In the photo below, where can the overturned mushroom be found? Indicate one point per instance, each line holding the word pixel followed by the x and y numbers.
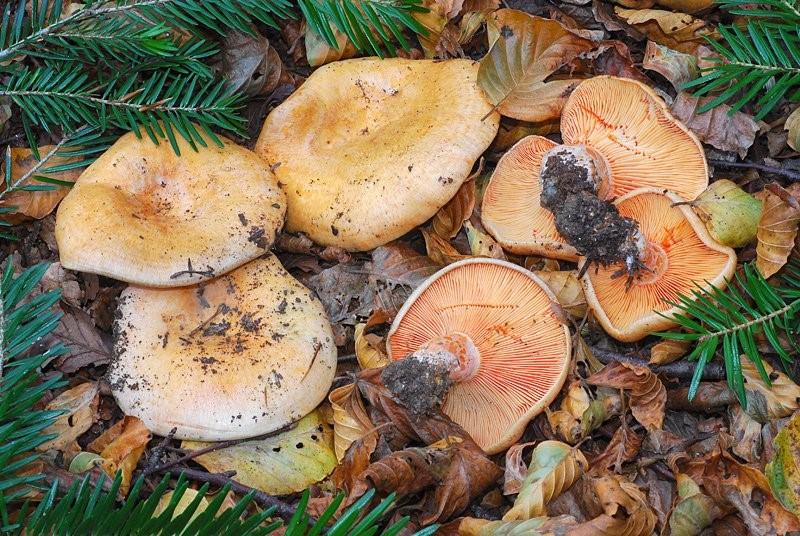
pixel 677 255
pixel 618 135
pixel 239 356
pixel 144 215
pixel 496 329
pixel 368 149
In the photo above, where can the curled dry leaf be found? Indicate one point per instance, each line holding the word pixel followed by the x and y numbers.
pixel 576 399
pixel 121 446
pixel 369 349
pixel 251 65
pixel 319 53
pixel 626 509
pixel 350 419
pixel 623 447
pixel 783 471
pixel 36 204
pixel 677 67
pixel 88 346
pixel 648 396
pixel 440 250
pixel 729 213
pixel 677 31
pixel 694 510
pixel 448 221
pixel 565 425
pixel 442 40
pixel 284 463
pixel 544 526
pixel 777 229
pixel 527 51
pixel 764 402
pixel 746 431
pixel 481 244
pixel 515 468
pixel 79 405
pixel 396 270
pixel 567 288
pixel 668 351
pixel 792 126
pixel 554 467
pixel 734 132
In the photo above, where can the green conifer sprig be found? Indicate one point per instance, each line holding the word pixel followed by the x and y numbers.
pixel 760 60
pixel 730 320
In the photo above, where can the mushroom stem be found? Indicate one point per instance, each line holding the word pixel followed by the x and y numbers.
pixel 457 352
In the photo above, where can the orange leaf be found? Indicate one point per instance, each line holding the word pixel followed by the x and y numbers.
pixel 777 229
pixel 121 446
pixel 648 397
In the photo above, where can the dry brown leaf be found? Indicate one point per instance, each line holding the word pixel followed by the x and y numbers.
pixel 350 420
pixel 87 345
pixel 565 425
pixel 554 467
pixel 668 351
pixel 346 295
pixel 686 6
pixel 443 39
pixel 627 512
pixel 677 67
pixel 733 132
pixel 319 53
pixel 766 403
pixel 677 31
pixel 515 468
pixel 482 244
pixel 777 230
pixel 37 204
pixel 369 349
pixel 576 398
pixel 648 396
pixel 623 447
pixel 440 250
pixel 567 288
pixel 250 65
pixel 528 50
pixel 396 270
pixel 80 407
pixel 746 431
pixel 121 446
pixel 448 221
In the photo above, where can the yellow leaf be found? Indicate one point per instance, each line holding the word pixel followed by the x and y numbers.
pixel 675 66
pixel 668 350
pixel 554 467
pixel 567 288
pixel 447 222
pixel 677 31
pixel 793 126
pixel 318 52
pixel 278 465
pixel 765 403
pixel 369 354
pixel 544 526
pixel 350 419
pixel 481 244
pixel 783 472
pixel 121 446
pixel 515 71
pixel 186 499
pixel 440 250
pixel 80 404
pixel 777 229
pixel 729 213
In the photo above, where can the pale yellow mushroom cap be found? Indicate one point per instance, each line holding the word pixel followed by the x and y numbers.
pixel 511 317
pixel 368 149
pixel 236 357
pixel 141 214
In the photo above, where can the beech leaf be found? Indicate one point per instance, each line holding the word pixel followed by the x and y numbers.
pixel 368 351
pixel 668 351
pixel 648 396
pixel 677 67
pixel 554 467
pixel 783 471
pixel 677 31
pixel 515 71
pixel 121 446
pixel 764 402
pixel 777 229
pixel 567 288
pixel 350 420
pixel 448 221
pixel 729 213
pixel 79 405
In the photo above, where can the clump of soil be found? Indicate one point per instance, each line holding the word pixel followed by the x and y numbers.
pixel 591 225
pixel 418 383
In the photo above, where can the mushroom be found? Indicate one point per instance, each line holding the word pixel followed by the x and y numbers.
pixel 679 256
pixel 144 215
pixel 497 328
pixel 239 356
pixel 618 135
pixel 368 149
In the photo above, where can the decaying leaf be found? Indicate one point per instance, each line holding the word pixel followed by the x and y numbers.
pixel 668 351
pixel 677 67
pixel 764 402
pixel 448 221
pixel 440 250
pixel 121 446
pixel 186 499
pixel 648 396
pixel 554 467
pixel 777 229
pixel 734 132
pixel 515 468
pixel 694 511
pixel 442 40
pixel 729 213
pixel 251 65
pixel 567 288
pixel 565 425
pixel 318 52
pixel 368 349
pixel 576 399
pixel 481 244
pixel 625 507
pixel 350 419
pixel 396 270
pixel 783 471
pixel 792 125
pixel 88 346
pixel 80 407
pixel 746 431
pixel 677 31
pixel 527 51
pixel 623 447
pixel 284 463
pixel 35 204
pixel 544 526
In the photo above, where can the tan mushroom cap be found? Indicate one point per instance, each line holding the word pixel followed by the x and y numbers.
pixel 511 210
pixel 683 255
pixel 524 347
pixel 239 356
pixel 368 149
pixel 644 145
pixel 141 214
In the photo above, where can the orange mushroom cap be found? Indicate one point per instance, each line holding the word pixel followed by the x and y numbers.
pixel 643 143
pixel 511 209
pixel 368 149
pixel 508 314
pixel 680 254
pixel 142 214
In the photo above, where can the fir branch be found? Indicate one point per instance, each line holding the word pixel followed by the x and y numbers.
pixel 760 61
pixel 731 319
pixel 365 22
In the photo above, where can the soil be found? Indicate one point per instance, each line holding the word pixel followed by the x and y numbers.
pixel 418 383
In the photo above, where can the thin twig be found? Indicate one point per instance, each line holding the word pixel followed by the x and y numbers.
pixel 282 509
pixel 791 175
pixel 682 369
